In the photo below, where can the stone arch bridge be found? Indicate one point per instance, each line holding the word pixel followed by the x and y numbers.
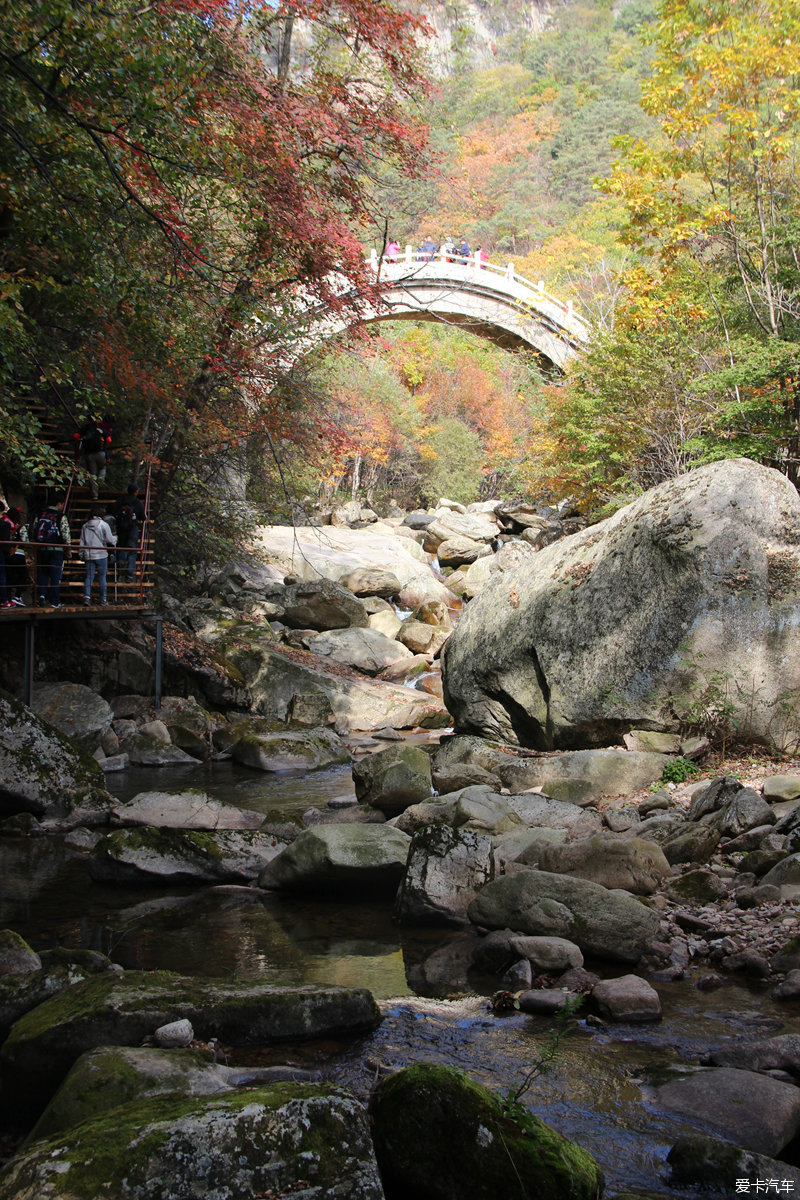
pixel 491 301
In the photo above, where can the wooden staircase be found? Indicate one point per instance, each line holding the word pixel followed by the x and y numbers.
pixel 58 428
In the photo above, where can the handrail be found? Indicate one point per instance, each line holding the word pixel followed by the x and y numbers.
pixel 421 265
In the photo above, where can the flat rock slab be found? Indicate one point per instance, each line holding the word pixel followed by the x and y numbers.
pixel 287 751
pixel 344 857
pixel 285 1139
pixel 583 776
pixel 184 810
pixel 146 855
pixel 124 1010
pixel 628 998
pixel 781 787
pixel 609 924
pixel 752 1110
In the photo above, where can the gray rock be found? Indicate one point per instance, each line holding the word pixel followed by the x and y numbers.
pixel 539 811
pixel 189 809
pixel 709 1164
pixel 174 1035
pixel 115 762
pixel 478 527
pixel 343 857
pixel 752 1110
pixel 483 811
pixel 711 797
pixel 649 739
pixel 608 924
pixel 788 988
pixel 781 787
pixel 548 953
pixel 526 845
pixel 456 551
pixel 600 631
pixel 694 844
pixel 264 1140
pixel 421 638
pixel 632 864
pixel 446 867
pixel 60 969
pixel 546 1002
pixel 583 776
pixel 365 650
pixel 145 855
pixel 257 746
pixel 394 778
pixel 321 604
pixel 628 998
pixel 787 871
pixel 16 956
pixel 123 1010
pixel 75 710
pixel 744 811
pixel 146 751
pixel 44 773
pixel 781 1053
pixel 371 581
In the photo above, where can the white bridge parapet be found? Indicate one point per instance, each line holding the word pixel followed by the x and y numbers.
pixel 415 270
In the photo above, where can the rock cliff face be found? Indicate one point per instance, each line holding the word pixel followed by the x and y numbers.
pixel 688 597
pixel 468 34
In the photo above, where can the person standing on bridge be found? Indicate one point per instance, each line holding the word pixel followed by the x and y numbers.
pixel 96 538
pixel 427 249
pixel 464 250
pixel 392 250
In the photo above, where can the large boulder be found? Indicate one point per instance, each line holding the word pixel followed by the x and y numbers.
pixel 74 709
pixel 446 867
pixel 393 779
pixel 20 991
pixel 608 924
pixel 122 1011
pixel 256 745
pixel 583 776
pixel 43 772
pixel 341 857
pixel 440 1135
pixel 190 809
pixel 146 855
pixel 366 650
pixel 284 1139
pixel 632 864
pixel 319 604
pixel 752 1110
pixel 696 580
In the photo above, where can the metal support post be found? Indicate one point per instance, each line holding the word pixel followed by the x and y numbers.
pixel 29 658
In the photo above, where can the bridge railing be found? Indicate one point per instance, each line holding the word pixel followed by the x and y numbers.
pixel 419 264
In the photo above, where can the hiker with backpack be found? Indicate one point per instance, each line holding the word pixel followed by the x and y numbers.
pixel 51 532
pixel 96 540
pixel 16 558
pixel 94 441
pixel 129 516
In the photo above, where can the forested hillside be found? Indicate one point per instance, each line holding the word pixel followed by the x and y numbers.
pixel 176 179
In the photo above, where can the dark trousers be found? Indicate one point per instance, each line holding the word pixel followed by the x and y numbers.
pixel 51 566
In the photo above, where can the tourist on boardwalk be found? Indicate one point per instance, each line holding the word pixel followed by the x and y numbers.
pixel 96 539
pixel 92 447
pixel 129 517
pixel 392 250
pixel 449 248
pixel 463 249
pixel 16 558
pixel 481 256
pixel 5 550
pixel 52 534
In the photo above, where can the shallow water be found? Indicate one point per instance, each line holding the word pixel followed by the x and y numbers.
pixel 596 1091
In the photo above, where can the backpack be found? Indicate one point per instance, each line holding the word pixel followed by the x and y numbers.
pixel 92 440
pixel 47 529
pixel 126 519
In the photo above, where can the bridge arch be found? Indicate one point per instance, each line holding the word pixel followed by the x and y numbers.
pixel 493 302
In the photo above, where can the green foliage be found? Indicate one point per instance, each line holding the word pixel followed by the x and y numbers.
pixel 544 1061
pixel 678 770
pixel 453 463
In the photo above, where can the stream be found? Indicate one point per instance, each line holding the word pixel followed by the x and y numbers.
pixel 596 1090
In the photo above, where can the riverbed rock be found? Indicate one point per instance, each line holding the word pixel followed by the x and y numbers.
pixel 256 746
pixel 780 1053
pixel 781 787
pixel 446 867
pixel 752 1110
pixel 16 956
pixel 477 527
pixel 633 864
pixel 365 650
pixel 190 809
pixel 111 1076
pixel 371 581
pixel 707 1165
pixel 394 778
pixel 292 1138
pixel 43 772
pixel 122 1011
pixel 465 1144
pixel 628 998
pixel 458 551
pixel 548 953
pixel 74 709
pixel 146 855
pixel 601 631
pixel 746 810
pixel 146 750
pixel 60 969
pixel 319 604
pixel 609 924
pixel 190 726
pixel 340 857
pixel 422 638
pixel 584 776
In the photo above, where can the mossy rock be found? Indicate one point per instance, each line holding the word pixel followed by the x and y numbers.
pixel 146 854
pixel 284 1139
pixel 709 1165
pixel 111 1010
pixel 60 968
pixel 700 887
pixel 439 1135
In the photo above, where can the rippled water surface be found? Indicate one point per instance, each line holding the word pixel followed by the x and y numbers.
pixel 597 1091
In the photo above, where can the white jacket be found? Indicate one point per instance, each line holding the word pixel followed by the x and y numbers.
pixel 96 537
